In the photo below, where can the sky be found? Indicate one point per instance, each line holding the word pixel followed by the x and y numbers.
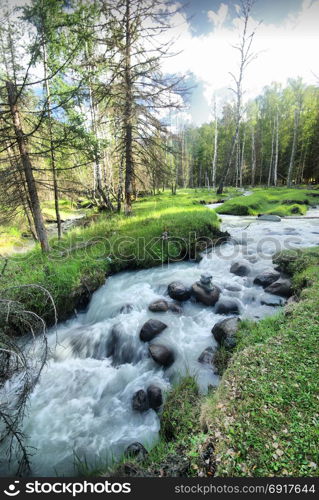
pixel 286 44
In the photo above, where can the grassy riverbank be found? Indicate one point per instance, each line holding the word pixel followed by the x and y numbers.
pixel 263 418
pixel 277 201
pixel 78 264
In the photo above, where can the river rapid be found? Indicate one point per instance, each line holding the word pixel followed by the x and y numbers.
pixel 82 405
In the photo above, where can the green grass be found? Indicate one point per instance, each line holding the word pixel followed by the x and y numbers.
pixel 11 235
pixel 263 419
pixel 180 435
pixel 78 264
pixel 277 201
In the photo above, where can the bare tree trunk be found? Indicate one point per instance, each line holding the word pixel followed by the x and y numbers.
pixel 191 172
pixel 128 126
pixel 229 162
pixel 120 186
pixel 21 188
pixel 244 48
pixel 293 148
pixel 303 164
pixel 271 155
pixel 52 153
pixel 200 175
pixel 27 167
pixel 215 152
pixel 242 161
pixel 253 156
pixel 276 150
pixel 237 162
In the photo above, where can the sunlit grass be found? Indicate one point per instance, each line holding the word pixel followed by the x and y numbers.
pixel 277 201
pixel 112 243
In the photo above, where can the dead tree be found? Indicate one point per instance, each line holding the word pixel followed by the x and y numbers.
pixel 21 140
pixel 246 56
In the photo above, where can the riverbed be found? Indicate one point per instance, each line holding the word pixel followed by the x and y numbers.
pixel 82 405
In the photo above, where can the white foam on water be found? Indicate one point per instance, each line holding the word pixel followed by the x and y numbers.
pixel 82 405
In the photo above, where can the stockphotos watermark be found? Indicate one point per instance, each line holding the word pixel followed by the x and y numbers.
pixel 164 249
pixel 74 488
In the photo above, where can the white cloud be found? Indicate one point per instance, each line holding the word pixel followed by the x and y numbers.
pixel 219 17
pixel 286 50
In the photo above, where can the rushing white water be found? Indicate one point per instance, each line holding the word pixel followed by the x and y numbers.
pixel 82 405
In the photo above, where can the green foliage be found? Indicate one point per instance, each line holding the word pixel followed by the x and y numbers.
pixel 221 359
pixel 180 416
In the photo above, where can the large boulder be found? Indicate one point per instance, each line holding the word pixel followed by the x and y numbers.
pixel 155 397
pixel 140 401
pixel 281 287
pixel 228 306
pixel 151 328
pixel 225 332
pixel 178 291
pixel 269 217
pixel 240 268
pixel 208 296
pixel 161 354
pixel 159 305
pixel 267 277
pixel 136 450
pixel 206 357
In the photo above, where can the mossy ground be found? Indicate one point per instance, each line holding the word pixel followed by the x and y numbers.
pixel 78 264
pixel 277 201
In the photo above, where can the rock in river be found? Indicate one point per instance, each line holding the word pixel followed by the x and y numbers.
pixel 280 287
pixel 233 287
pixel 241 268
pixel 159 305
pixel 206 357
pixel 228 306
pixel 267 277
pixel 140 401
pixel 175 308
pixel 269 217
pixel 225 332
pixel 162 354
pixel 155 397
pixel 178 291
pixel 209 297
pixel 127 308
pixel 271 300
pixel 151 328
pixel 136 450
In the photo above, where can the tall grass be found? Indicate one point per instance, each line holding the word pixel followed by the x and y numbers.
pixel 79 263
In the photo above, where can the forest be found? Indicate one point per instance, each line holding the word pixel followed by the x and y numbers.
pixel 116 209
pixel 87 115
